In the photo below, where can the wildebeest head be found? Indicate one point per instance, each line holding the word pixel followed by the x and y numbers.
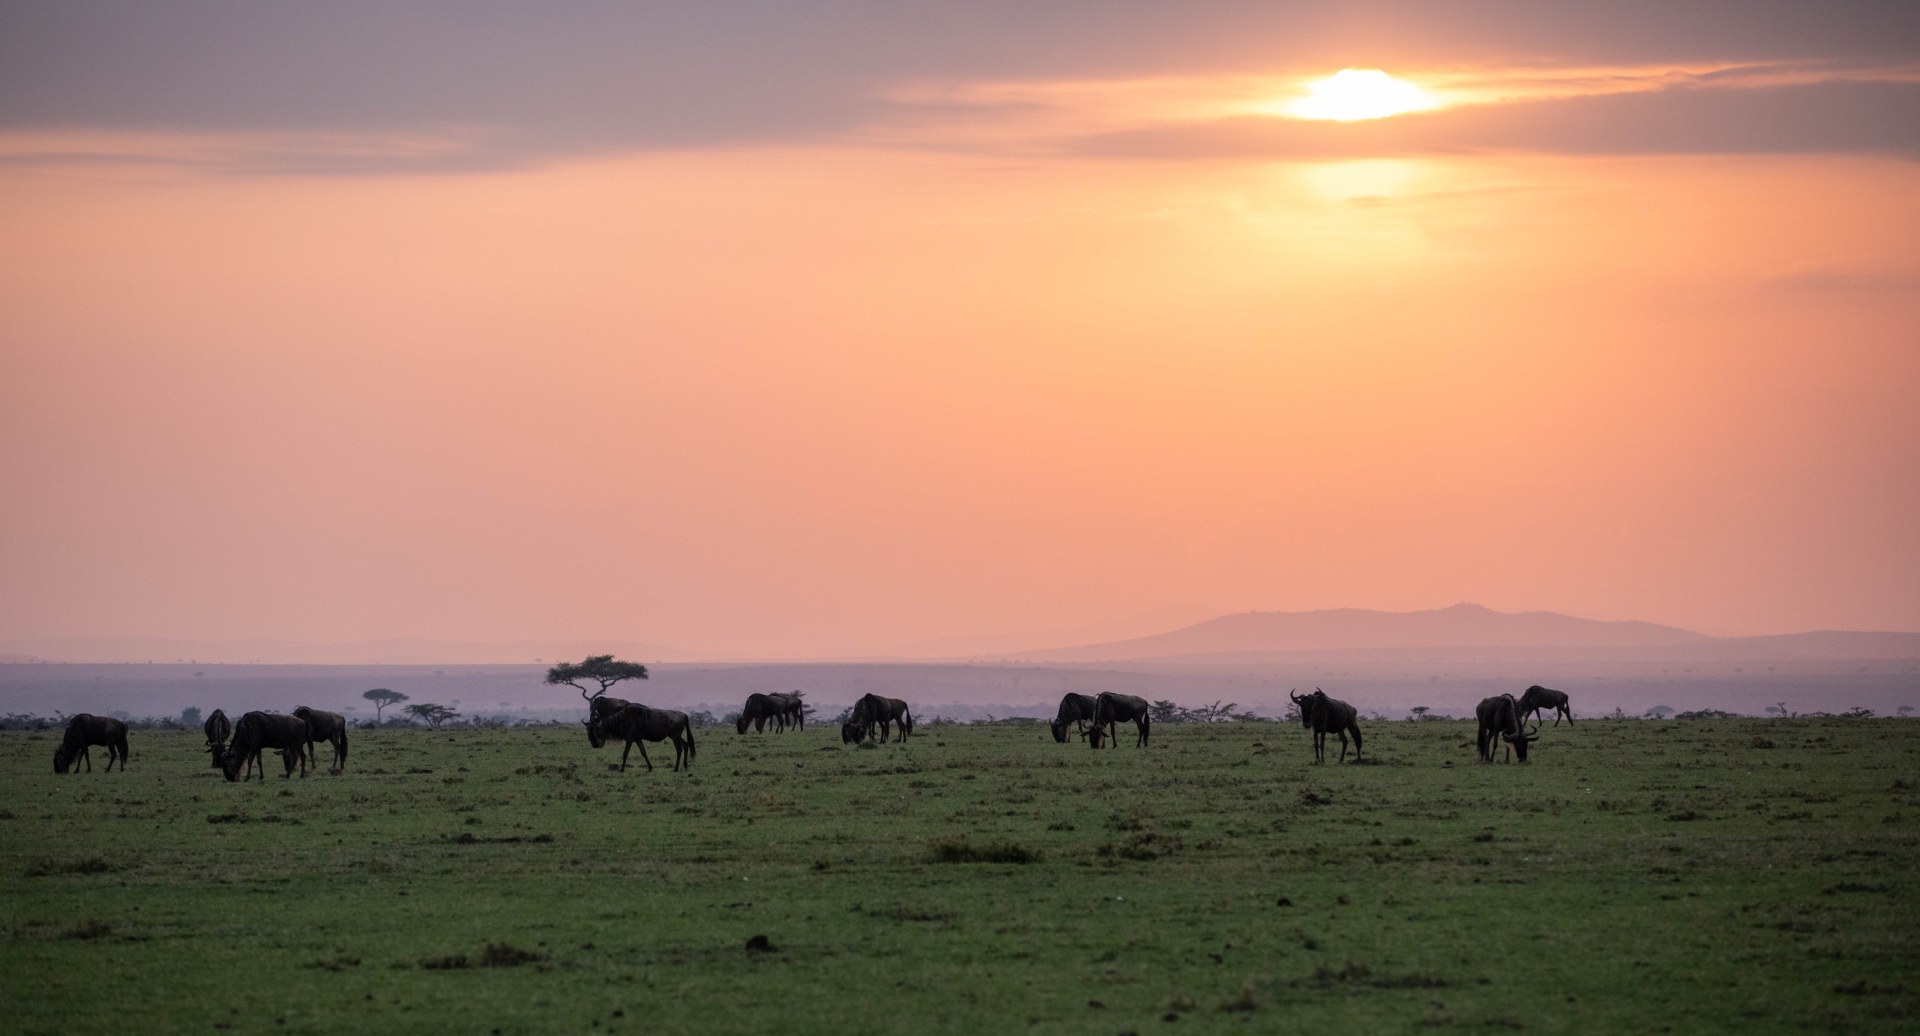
pixel 1060 732
pixel 1306 703
pixel 850 733
pixel 596 732
pixel 1519 739
pixel 63 757
pixel 740 725
pixel 230 762
pixel 1096 735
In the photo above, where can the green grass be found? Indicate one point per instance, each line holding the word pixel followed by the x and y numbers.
pixel 1636 877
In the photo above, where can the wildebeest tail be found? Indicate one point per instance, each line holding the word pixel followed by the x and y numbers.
pixel 690 746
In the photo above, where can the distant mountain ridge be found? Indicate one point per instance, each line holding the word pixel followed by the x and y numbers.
pixel 1343 629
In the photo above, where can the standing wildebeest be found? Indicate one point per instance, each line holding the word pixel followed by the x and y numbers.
pixel 636 724
pixel 759 709
pixel 84 730
pixel 793 711
pixel 1075 710
pixel 258 731
pixel 218 730
pixel 1500 718
pixel 325 726
pixel 874 711
pixel 1323 716
pixel 1538 697
pixel 1109 708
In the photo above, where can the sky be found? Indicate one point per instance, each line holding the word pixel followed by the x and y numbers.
pixel 798 330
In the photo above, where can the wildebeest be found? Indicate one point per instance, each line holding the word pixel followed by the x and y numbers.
pixel 793 710
pixel 218 730
pixel 258 731
pixel 1500 718
pixel 325 726
pixel 636 724
pixel 1110 708
pixel 86 729
pixel 763 707
pixel 1323 716
pixel 874 711
pixel 1075 710
pixel 1538 697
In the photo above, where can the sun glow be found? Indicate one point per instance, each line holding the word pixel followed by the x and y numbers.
pixel 1352 94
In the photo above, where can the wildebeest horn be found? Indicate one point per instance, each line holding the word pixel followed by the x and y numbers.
pixel 1295 697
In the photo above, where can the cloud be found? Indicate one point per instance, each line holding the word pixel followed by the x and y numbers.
pixel 529 84
pixel 1870 117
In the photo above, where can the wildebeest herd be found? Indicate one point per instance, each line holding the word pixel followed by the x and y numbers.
pixel 236 749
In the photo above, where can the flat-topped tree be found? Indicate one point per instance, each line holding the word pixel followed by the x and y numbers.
pixel 604 670
pixel 381 698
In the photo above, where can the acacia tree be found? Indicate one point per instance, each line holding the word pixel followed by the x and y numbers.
pixel 381 698
pixel 430 714
pixel 604 670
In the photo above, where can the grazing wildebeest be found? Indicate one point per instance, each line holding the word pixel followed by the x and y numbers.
pixel 1500 718
pixel 325 726
pixel 874 711
pixel 218 730
pixel 1538 697
pixel 84 730
pixel 759 709
pixel 1075 710
pixel 1110 708
pixel 1323 716
pixel 636 724
pixel 258 731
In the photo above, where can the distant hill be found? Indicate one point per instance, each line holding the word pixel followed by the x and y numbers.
pixel 1345 629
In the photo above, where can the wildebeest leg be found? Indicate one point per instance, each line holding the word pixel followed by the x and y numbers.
pixel 1356 745
pixel 643 754
pixel 625 753
pixel 1343 745
pixel 86 757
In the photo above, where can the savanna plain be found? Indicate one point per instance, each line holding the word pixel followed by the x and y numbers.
pixel 1635 876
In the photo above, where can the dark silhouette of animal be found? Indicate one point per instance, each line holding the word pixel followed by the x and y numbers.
pixel 1076 710
pixel 218 729
pixel 636 724
pixel 763 707
pixel 1500 721
pixel 325 726
pixel 258 731
pixel 793 710
pixel 1109 709
pixel 1538 697
pixel 1323 716
pixel 86 729
pixel 873 711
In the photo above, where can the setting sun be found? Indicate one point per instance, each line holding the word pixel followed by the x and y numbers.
pixel 1352 94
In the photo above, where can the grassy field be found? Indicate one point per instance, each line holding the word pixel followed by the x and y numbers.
pixel 1637 877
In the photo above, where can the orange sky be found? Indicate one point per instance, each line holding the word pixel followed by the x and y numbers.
pixel 956 370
